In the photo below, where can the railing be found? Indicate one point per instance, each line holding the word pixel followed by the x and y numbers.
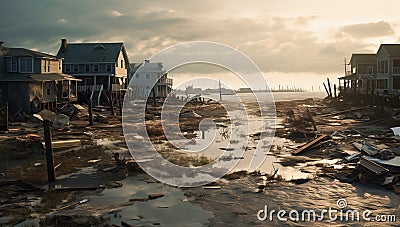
pixel 396 70
pixel 89 87
pixel 169 81
pixel 381 71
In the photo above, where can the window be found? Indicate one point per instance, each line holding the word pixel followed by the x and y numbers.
pixel 147 76
pixel 26 65
pixel 59 65
pixel 14 64
pixel 76 68
pixel 48 91
pixel 68 68
pixel 137 76
pixel 370 70
pixel 396 82
pixel 108 67
pixel 45 66
pixel 87 68
pixel 95 68
pixel 48 66
pixel 382 84
pixel 122 63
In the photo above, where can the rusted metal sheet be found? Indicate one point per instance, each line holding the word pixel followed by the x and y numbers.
pixel 309 144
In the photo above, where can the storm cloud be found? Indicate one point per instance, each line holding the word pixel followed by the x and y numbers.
pixel 276 39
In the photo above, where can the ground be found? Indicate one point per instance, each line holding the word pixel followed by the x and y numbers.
pixel 234 200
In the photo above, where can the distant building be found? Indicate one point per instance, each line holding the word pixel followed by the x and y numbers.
pixel 100 66
pixel 361 77
pixel 31 81
pixel 144 75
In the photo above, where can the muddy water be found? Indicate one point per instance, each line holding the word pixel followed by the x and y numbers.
pixel 128 204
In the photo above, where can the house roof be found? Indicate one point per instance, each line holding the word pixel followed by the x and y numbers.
pixel 392 49
pixel 91 52
pixel 363 58
pixel 22 52
pixel 135 66
pixel 19 77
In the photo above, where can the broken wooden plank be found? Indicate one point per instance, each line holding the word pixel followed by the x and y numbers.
pixel 155 196
pixel 61 188
pixel 341 112
pixel 65 144
pixel 73 204
pixel 309 144
pixel 372 166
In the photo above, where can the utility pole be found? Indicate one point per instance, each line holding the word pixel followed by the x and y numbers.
pixel 220 92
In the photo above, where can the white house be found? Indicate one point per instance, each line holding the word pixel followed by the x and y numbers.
pixel 144 75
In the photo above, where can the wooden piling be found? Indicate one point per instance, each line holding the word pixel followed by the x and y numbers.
pixel 334 90
pixel 329 87
pixel 326 89
pixel 112 103
pixel 120 103
pixel 6 117
pixel 154 97
pixel 90 112
pixel 49 152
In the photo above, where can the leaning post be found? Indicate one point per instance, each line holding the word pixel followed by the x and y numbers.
pixel 49 152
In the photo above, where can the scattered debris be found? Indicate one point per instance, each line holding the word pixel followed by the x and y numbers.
pixel 155 196
pixel 309 144
pixel 73 204
pixel 367 148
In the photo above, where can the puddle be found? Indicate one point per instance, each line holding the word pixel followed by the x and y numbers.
pixel 171 210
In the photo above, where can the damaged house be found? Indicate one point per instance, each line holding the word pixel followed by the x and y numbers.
pixel 31 81
pixel 144 75
pixel 102 67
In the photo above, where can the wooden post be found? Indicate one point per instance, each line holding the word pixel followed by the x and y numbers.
pixel 220 92
pixel 334 90
pixel 154 97
pixel 120 103
pixel 90 112
pixel 112 103
pixel 49 152
pixel 6 117
pixel 326 89
pixel 329 87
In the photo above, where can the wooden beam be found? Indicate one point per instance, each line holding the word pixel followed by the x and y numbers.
pixel 309 144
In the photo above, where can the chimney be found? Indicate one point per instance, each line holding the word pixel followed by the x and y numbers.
pixel 63 45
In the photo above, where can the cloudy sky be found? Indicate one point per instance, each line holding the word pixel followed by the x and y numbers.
pixel 293 42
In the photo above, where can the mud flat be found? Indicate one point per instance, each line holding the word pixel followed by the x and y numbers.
pixel 97 187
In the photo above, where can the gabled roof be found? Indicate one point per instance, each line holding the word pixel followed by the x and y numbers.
pixel 135 66
pixel 22 52
pixel 91 52
pixel 392 49
pixel 363 58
